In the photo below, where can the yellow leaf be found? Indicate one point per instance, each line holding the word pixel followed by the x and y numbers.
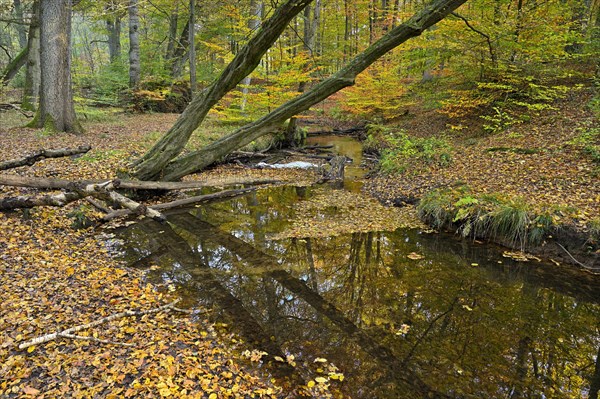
pixel 30 391
pixel 321 380
pixel 31 349
pixel 212 396
pixel 310 384
pixel 320 360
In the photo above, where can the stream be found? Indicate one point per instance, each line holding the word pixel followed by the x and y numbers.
pixel 397 314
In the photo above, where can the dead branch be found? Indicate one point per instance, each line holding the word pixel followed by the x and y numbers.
pixel 200 199
pixel 104 191
pixel 42 154
pixel 16 107
pixel 46 183
pixel 23 202
pixel 68 333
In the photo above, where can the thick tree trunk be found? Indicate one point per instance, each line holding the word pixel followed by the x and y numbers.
pixel 56 111
pixel 31 91
pixel 113 28
pixel 134 45
pixel 177 61
pixel 198 160
pixel 150 166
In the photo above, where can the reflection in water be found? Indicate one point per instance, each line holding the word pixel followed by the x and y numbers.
pixel 461 322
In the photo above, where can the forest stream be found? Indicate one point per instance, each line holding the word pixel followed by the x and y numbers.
pixel 378 314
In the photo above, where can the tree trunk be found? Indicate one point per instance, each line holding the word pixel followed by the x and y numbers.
pixel 31 91
pixel 56 110
pixel 192 39
pixel 113 28
pixel 198 160
pixel 150 166
pixel 134 45
pixel 253 24
pixel 14 66
pixel 18 7
pixel 177 61
pixel 173 19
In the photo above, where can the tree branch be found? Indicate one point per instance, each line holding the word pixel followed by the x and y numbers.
pixel 68 333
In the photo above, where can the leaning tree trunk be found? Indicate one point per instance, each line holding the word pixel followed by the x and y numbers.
pixel 31 91
pixel 56 111
pixel 10 71
pixel 200 159
pixel 134 45
pixel 151 165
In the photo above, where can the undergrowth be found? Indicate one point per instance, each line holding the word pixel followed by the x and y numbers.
pixel 488 216
pixel 400 153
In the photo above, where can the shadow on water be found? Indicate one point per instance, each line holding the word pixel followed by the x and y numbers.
pixel 401 314
pixel 462 321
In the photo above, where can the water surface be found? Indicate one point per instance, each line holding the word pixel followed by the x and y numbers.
pixel 400 314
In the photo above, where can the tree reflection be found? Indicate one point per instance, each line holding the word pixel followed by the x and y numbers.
pixel 395 326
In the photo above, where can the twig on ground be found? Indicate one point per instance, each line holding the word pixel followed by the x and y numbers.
pixel 68 333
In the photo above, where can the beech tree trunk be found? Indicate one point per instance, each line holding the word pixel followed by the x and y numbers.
pixel 156 165
pixel 151 165
pixel 134 45
pixel 56 110
pixel 113 28
pixel 31 91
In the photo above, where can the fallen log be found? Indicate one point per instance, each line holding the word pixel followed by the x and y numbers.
pixel 77 191
pixel 200 199
pixel 42 154
pixel 46 183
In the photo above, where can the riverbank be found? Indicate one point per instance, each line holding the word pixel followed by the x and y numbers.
pixel 538 170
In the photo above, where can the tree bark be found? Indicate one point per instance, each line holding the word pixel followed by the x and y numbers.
pixel 56 111
pixel 150 166
pixel 200 159
pixel 192 52
pixel 134 45
pixel 113 28
pixel 18 7
pixel 31 91
pixel 42 154
pixel 14 66
pixel 42 182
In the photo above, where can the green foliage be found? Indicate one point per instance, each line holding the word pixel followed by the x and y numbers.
pixel 401 153
pixel 487 216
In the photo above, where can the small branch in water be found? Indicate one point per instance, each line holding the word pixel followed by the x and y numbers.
pixel 576 261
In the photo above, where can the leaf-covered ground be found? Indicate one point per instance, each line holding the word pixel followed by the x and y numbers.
pixel 55 277
pixel 536 161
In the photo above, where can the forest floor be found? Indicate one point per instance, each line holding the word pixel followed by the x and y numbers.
pixel 55 277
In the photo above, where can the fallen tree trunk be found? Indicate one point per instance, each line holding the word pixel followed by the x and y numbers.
pixel 42 154
pixel 200 199
pixel 78 191
pixel 46 183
